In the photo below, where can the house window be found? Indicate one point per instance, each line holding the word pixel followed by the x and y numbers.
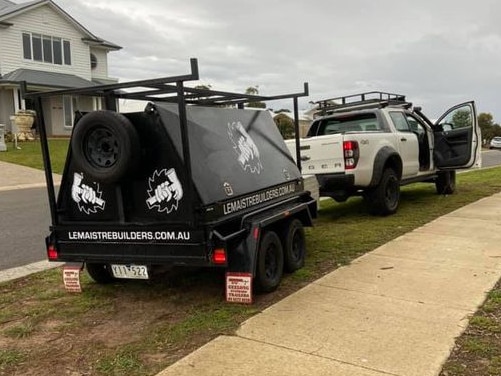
pixel 58 51
pixel 46 48
pixel 93 61
pixel 37 47
pixel 67 52
pixel 27 45
pixel 70 105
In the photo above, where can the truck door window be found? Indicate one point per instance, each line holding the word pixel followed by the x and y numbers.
pixel 400 121
pixel 459 118
pixel 415 126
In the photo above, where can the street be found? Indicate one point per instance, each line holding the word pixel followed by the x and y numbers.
pixel 25 221
pixel 491 158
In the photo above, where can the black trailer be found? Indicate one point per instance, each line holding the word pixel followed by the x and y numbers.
pixel 193 180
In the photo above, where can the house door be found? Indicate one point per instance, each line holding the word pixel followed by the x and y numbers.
pixel 55 123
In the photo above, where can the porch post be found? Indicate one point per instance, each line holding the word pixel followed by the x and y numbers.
pixel 15 93
pixel 19 103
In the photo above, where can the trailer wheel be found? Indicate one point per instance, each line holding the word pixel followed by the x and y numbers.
pixel 445 183
pixel 270 263
pixel 384 198
pixel 105 146
pixel 100 273
pixel 294 246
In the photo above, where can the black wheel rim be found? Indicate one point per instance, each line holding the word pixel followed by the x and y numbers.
pixel 101 148
pixel 297 246
pixel 391 192
pixel 271 262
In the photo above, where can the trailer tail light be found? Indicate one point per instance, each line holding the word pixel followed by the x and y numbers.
pixel 351 154
pixel 219 256
pixel 52 253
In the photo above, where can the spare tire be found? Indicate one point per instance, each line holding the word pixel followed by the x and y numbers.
pixel 105 146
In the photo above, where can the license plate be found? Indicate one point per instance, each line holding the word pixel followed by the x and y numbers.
pixel 130 271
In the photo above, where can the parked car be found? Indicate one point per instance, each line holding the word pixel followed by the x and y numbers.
pixel 370 144
pixel 495 143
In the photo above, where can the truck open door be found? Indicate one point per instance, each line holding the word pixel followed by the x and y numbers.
pixel 457 137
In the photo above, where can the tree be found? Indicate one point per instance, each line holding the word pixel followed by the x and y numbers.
pixel 285 126
pixel 203 87
pixel 254 90
pixel 488 127
pixel 461 119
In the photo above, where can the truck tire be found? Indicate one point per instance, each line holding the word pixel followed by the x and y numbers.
pixel 100 273
pixel 105 146
pixel 385 197
pixel 445 183
pixel 270 263
pixel 294 246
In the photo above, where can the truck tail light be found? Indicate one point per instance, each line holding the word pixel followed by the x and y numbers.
pixel 351 154
pixel 52 253
pixel 219 256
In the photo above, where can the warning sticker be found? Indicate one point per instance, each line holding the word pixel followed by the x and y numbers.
pixel 71 278
pixel 239 288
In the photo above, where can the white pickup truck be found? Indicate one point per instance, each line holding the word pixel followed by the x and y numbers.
pixel 372 143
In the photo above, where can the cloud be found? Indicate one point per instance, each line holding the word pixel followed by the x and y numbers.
pixel 435 52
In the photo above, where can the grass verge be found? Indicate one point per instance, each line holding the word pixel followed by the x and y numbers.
pixel 478 351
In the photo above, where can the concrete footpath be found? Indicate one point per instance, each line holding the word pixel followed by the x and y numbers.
pixel 394 311
pixel 13 176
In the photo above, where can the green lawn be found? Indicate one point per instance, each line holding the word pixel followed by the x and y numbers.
pixel 30 154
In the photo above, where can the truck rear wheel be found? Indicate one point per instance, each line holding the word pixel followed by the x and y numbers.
pixel 270 263
pixel 101 273
pixel 445 183
pixel 105 146
pixel 294 246
pixel 385 197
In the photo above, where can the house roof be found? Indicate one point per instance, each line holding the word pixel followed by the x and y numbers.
pixel 5 3
pixel 45 79
pixel 8 9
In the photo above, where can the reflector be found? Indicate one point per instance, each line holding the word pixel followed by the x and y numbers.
pixel 52 252
pixel 219 256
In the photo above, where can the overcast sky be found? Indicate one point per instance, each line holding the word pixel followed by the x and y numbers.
pixel 437 52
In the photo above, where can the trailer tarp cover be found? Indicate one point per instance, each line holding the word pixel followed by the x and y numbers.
pixel 233 152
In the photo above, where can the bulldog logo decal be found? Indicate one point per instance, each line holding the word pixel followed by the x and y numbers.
pixel 246 149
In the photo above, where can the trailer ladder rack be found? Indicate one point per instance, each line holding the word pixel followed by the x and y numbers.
pixel 165 89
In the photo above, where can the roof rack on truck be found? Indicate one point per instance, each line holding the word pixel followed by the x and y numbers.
pixel 370 99
pixel 192 180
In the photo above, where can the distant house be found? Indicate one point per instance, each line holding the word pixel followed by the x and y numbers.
pixel 43 45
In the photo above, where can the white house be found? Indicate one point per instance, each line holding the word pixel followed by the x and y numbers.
pixel 43 45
